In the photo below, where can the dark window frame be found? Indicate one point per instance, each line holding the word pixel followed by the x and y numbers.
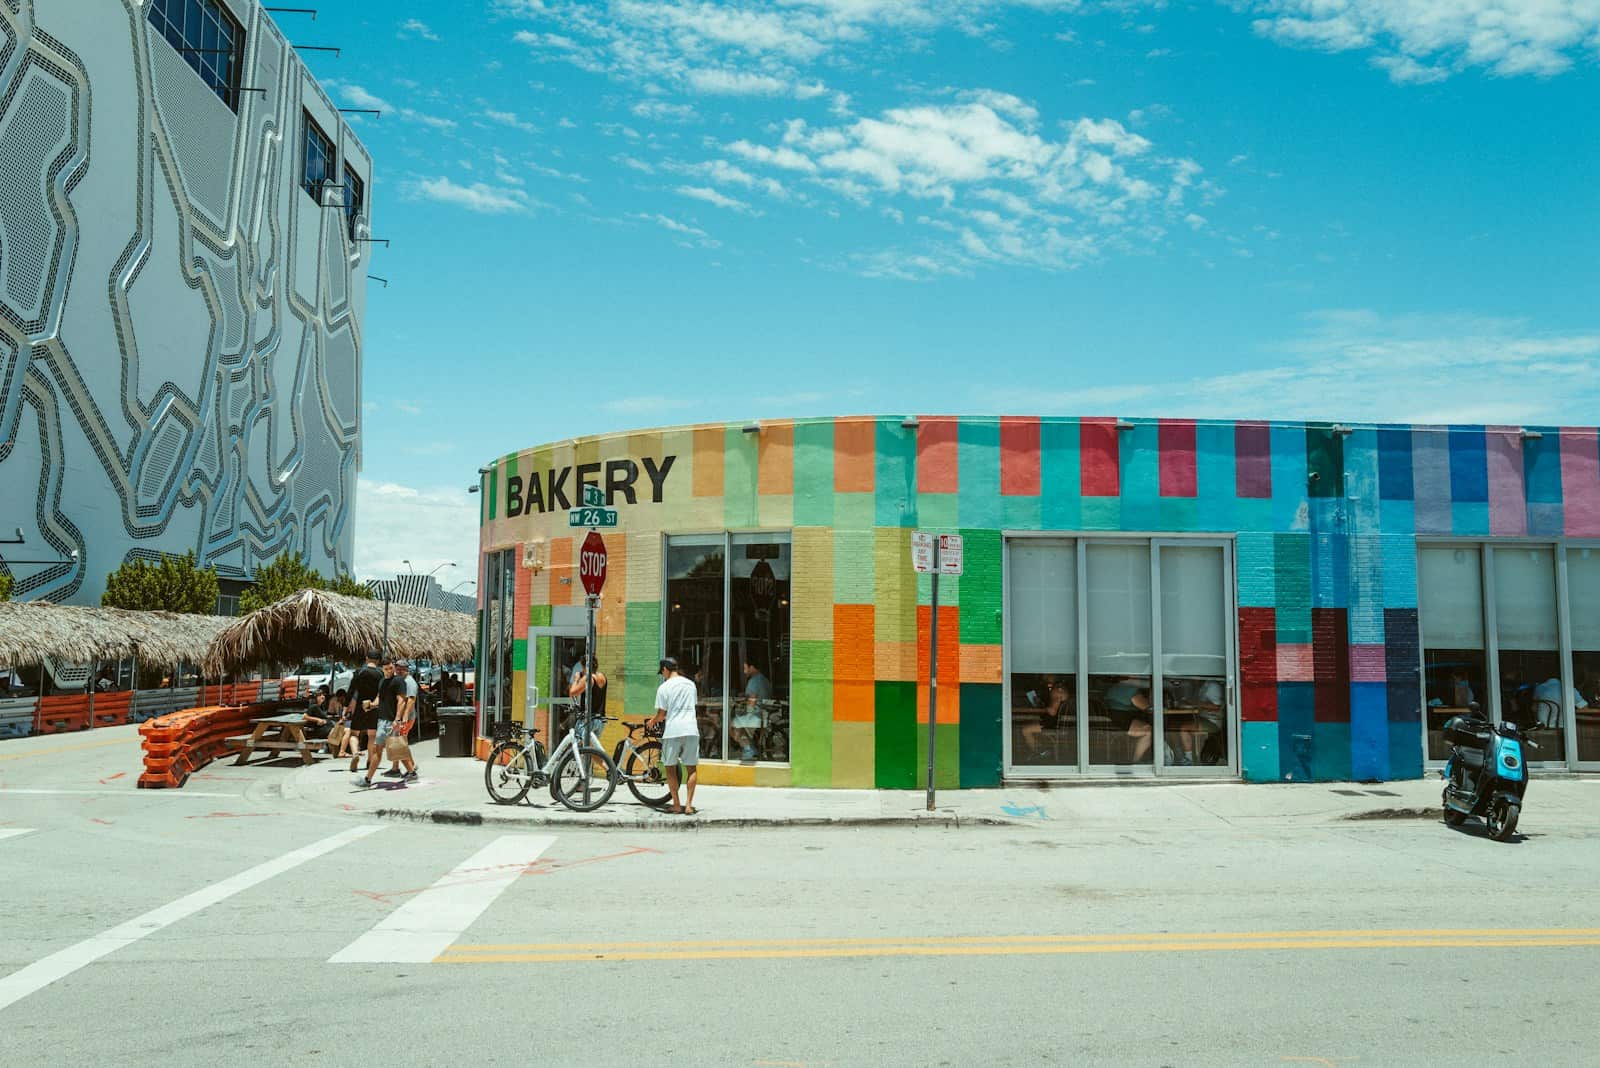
pixel 355 196
pixel 208 38
pixel 329 156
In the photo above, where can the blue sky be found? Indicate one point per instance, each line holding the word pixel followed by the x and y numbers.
pixel 620 214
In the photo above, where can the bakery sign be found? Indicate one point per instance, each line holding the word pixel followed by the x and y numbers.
pixel 555 489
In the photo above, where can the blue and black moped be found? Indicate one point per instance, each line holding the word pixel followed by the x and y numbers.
pixel 1486 774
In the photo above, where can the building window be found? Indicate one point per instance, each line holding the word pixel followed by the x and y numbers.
pixel 495 646
pixel 208 38
pixel 1527 646
pixel 318 169
pixel 1120 653
pixel 1455 675
pixel 355 200
pixel 1583 594
pixel 727 623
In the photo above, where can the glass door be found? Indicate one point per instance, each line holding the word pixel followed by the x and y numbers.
pixel 554 652
pixel 1122 723
pixel 1042 641
pixel 1583 608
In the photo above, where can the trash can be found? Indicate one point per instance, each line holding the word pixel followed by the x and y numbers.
pixel 457 731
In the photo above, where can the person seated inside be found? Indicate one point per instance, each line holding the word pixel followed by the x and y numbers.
pixel 1141 725
pixel 319 719
pixel 747 721
pixel 1055 712
pixel 1198 707
pixel 1547 702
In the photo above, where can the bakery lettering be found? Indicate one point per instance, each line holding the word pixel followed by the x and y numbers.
pixel 560 488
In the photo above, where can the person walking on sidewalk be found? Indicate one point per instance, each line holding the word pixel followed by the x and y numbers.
pixel 399 750
pixel 389 695
pixel 364 687
pixel 680 741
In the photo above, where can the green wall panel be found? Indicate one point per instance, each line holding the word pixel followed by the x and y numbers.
pixel 895 735
pixel 980 734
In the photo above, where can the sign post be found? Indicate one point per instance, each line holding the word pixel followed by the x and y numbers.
pixel 934 556
pixel 592 573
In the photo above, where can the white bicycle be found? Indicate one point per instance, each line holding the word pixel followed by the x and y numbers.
pixel 580 774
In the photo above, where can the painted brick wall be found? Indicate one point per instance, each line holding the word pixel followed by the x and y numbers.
pixel 1325 521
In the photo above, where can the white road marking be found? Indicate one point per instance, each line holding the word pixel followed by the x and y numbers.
pixel 59 965
pixel 117 793
pixel 430 922
pixel 12 832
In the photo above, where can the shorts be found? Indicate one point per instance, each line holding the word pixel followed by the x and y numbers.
pixel 384 727
pixel 747 721
pixel 684 750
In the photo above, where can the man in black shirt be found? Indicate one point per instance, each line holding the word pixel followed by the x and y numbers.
pixel 364 687
pixel 389 694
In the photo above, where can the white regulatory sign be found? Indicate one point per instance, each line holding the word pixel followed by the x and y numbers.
pixel 950 554
pixel 922 552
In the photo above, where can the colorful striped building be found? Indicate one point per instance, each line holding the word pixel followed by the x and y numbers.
pixel 1173 598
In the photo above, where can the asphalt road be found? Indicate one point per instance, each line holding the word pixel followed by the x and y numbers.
pixel 213 925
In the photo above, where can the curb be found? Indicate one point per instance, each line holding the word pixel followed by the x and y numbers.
pixel 478 819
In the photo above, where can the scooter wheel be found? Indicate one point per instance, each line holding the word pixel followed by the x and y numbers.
pixel 1452 818
pixel 1502 820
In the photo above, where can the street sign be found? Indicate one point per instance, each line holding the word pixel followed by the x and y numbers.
pixel 593 497
pixel 922 552
pixel 592 517
pixel 592 564
pixel 950 554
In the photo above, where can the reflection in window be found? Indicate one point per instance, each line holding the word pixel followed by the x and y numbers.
pixel 494 676
pixel 1043 603
pixel 1120 709
pixel 1583 599
pixel 694 567
pixel 208 39
pixel 318 156
pixel 1450 590
pixel 1194 655
pixel 1529 647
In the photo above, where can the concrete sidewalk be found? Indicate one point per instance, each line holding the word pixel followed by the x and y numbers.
pixel 452 791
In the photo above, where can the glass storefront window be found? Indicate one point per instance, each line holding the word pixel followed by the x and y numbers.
pixel 495 653
pixel 1583 600
pixel 1120 708
pixel 1455 675
pixel 1194 654
pixel 694 567
pixel 1043 598
pixel 727 623
pixel 1529 648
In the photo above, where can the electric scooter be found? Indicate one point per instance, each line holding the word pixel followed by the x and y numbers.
pixel 1486 774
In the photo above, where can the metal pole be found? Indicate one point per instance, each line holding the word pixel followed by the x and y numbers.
pixel 589 660
pixel 933 675
pixel 94 681
pixel 386 622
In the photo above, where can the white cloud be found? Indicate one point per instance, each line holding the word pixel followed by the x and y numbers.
pixel 508 118
pixel 358 97
pixel 692 234
pixel 418 29
pixel 478 197
pixel 662 111
pixel 1360 366
pixel 396 523
pixel 1425 40
pixel 712 196
pixel 734 82
pixel 409 409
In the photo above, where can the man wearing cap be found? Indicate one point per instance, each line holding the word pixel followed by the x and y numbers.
pixel 680 742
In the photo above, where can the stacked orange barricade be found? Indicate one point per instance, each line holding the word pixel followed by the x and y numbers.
pixel 180 743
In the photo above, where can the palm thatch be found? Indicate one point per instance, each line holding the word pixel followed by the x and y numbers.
pixel 33 630
pixel 316 623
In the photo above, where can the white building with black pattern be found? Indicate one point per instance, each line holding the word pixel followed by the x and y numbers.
pixel 183 266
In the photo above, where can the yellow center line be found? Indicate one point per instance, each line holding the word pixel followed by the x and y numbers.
pixel 64 749
pixel 456 956
pixel 940 940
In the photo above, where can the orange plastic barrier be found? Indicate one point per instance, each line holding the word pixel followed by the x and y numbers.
pixel 180 743
pixel 111 709
pixel 57 715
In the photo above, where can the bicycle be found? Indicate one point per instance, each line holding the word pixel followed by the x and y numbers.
pixel 519 762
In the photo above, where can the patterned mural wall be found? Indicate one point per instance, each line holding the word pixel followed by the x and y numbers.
pixel 180 323
pixel 1325 521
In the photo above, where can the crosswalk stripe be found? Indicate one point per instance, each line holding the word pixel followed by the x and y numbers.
pixel 12 832
pixel 429 923
pixel 59 965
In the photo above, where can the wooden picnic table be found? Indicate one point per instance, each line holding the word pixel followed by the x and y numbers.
pixel 274 734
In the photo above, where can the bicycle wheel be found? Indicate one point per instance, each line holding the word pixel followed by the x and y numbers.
pixel 509 773
pixel 577 792
pixel 645 775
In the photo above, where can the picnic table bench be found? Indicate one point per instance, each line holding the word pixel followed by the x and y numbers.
pixel 277 734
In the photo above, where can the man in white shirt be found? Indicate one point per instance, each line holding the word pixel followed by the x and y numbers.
pixel 1547 702
pixel 680 742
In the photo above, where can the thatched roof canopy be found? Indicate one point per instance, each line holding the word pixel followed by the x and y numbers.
pixel 316 623
pixel 76 634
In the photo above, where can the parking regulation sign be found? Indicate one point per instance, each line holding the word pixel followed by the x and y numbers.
pixel 592 563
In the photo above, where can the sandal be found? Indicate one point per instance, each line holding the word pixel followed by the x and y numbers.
pixel 691 811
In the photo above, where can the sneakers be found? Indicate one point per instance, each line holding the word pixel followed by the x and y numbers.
pixel 410 776
pixel 363 782
pixel 393 773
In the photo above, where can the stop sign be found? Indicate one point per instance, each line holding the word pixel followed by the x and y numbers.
pixel 592 563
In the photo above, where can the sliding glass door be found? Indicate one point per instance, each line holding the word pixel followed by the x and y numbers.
pixel 1119 656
